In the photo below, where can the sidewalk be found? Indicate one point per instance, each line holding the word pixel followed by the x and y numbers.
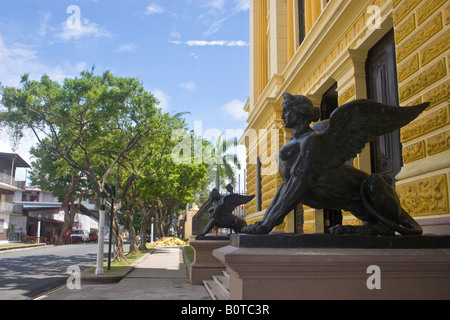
pixel 161 275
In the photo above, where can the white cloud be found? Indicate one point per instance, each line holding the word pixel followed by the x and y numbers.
pixel 175 34
pixel 214 26
pixel 241 5
pixel 153 9
pixel 18 59
pixel 164 98
pixel 127 48
pixel 217 12
pixel 43 24
pixel 221 43
pixel 190 85
pixel 84 29
pixel 175 41
pixel 194 55
pixel 235 109
pixel 216 4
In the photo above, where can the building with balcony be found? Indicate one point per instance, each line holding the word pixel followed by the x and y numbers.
pixel 335 51
pixel 9 219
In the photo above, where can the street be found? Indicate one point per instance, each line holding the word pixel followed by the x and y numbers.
pixel 26 274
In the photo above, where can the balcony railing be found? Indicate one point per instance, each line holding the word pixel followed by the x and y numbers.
pixel 6 178
pixel 6 206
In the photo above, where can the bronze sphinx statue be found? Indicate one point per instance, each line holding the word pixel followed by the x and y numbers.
pixel 312 166
pixel 221 210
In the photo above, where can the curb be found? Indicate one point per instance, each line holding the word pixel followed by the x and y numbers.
pixel 186 262
pixel 111 278
pixel 23 248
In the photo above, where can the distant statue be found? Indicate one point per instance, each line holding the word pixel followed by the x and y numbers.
pixel 221 210
pixel 312 166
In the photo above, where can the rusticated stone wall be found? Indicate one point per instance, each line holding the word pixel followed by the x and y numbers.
pixel 422 36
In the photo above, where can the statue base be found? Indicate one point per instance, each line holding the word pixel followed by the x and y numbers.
pixel 313 266
pixel 323 240
pixel 205 265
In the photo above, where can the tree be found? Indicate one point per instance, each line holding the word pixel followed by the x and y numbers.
pixel 145 160
pixel 90 122
pixel 162 193
pixel 225 163
pixel 68 185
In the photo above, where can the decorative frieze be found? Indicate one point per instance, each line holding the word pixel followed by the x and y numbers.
pixel 346 95
pixel 432 121
pixel 415 102
pixel 404 29
pixel 438 94
pixel 447 15
pixel 438 143
pixel 424 79
pixel 427 9
pixel 408 68
pixel 425 196
pixel 414 152
pixel 426 32
pixel 396 2
pixel 404 9
pixel 439 45
pixel 308 227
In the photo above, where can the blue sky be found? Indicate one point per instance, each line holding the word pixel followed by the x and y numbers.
pixel 193 55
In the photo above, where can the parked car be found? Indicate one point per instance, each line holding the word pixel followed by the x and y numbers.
pixel 93 237
pixel 79 236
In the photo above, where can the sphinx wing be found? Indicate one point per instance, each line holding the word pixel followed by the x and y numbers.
pixel 233 200
pixel 355 123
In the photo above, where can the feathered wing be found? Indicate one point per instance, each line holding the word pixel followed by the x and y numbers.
pixel 204 208
pixel 233 200
pixel 356 123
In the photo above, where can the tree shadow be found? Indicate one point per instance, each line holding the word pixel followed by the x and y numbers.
pixel 32 275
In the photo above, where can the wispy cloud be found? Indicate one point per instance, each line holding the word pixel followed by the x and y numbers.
pixel 85 29
pixel 203 43
pixel 18 59
pixel 221 43
pixel 218 12
pixel 190 85
pixel 127 48
pixel 154 9
pixel 43 24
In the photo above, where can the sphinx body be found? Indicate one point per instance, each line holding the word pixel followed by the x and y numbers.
pixel 312 166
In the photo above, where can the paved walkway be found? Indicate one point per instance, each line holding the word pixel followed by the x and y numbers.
pixel 161 275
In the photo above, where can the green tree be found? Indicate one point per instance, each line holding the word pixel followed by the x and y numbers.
pixel 163 193
pixel 144 161
pixel 90 122
pixel 226 163
pixel 68 185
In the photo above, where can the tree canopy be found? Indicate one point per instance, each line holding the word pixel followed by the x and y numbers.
pixel 96 129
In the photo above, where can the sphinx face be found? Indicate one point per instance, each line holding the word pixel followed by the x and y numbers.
pixel 291 116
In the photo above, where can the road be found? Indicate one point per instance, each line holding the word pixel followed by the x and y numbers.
pixel 27 274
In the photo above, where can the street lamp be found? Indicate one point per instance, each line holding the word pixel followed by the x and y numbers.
pixel 101 229
pixel 112 193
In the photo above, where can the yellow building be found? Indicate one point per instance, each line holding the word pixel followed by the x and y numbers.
pixel 392 51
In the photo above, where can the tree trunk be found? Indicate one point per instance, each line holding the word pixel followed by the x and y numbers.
pixel 69 208
pixel 146 214
pixel 69 217
pixel 130 226
pixel 119 252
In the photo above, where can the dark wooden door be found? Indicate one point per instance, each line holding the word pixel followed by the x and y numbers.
pixel 382 86
pixel 329 103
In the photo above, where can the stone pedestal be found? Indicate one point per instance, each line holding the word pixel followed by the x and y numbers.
pixel 205 265
pixel 296 272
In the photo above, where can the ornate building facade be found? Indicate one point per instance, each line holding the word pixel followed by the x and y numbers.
pixel 335 51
